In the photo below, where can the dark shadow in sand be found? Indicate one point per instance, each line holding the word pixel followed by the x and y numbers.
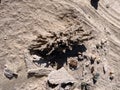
pixel 94 3
pixel 58 58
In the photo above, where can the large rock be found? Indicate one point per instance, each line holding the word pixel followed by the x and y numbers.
pixel 38 72
pixel 61 79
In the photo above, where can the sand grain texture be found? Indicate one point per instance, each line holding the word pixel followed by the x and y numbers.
pixel 21 21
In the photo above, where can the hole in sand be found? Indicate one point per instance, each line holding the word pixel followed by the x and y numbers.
pixel 94 3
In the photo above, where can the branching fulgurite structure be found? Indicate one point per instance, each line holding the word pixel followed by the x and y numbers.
pixel 60 42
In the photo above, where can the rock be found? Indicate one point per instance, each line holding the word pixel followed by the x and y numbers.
pixel 92 58
pixel 105 68
pixel 92 69
pixel 9 73
pixel 87 63
pixel 80 56
pixel 85 86
pixel 29 60
pixel 95 77
pixel 36 57
pixel 41 62
pixel 98 61
pixel 38 72
pixel 111 76
pixel 62 79
pixel 60 76
pixel 73 63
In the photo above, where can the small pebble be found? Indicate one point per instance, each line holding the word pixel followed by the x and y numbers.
pixel 9 73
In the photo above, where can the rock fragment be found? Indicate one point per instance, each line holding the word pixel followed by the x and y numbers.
pixel 92 69
pixel 9 73
pixel 85 86
pixel 73 64
pixel 80 56
pixel 95 77
pixel 36 57
pixel 62 79
pixel 111 74
pixel 38 72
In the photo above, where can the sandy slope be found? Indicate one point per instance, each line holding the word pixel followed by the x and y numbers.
pixel 22 20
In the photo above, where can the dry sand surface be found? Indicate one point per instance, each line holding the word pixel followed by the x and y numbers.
pixel 89 28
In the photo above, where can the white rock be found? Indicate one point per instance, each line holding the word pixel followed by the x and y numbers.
pixel 60 76
pixel 35 57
